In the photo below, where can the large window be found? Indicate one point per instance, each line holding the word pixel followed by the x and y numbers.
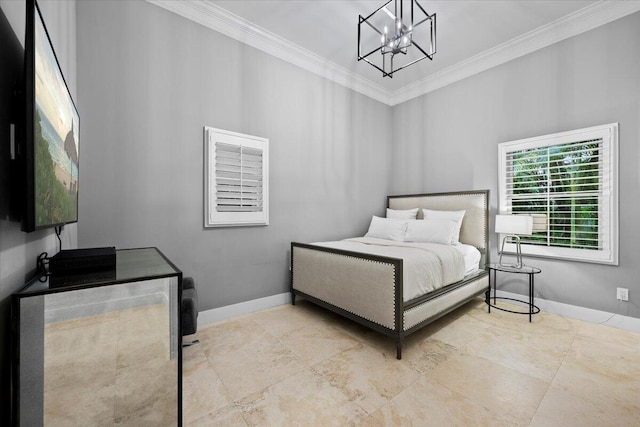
pixel 569 183
pixel 236 179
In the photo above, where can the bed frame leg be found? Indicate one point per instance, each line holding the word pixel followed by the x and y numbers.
pixel 293 298
pixel 399 348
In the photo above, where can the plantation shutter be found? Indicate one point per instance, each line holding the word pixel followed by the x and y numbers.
pixel 568 182
pixel 236 180
pixel 564 183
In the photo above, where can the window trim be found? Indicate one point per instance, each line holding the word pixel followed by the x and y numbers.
pixel 609 134
pixel 213 218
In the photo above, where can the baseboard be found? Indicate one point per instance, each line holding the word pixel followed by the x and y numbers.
pixel 614 320
pixel 222 313
pixel 581 313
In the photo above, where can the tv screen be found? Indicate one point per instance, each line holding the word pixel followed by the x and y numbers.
pixel 52 132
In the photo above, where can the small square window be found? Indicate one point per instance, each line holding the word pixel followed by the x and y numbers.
pixel 236 179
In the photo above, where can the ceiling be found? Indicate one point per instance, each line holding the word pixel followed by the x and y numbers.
pixel 464 28
pixel 321 35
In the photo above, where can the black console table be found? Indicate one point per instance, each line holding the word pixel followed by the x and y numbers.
pixel 101 348
pixel 528 270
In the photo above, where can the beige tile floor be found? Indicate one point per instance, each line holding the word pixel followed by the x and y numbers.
pixel 303 366
pixel 111 370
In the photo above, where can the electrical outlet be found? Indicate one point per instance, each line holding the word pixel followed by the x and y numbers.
pixel 622 294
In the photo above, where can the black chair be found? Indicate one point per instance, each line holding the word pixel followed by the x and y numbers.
pixel 189 309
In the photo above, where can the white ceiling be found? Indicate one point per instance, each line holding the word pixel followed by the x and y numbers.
pixel 321 35
pixel 464 28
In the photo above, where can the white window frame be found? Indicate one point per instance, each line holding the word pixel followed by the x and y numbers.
pixel 213 218
pixel 608 203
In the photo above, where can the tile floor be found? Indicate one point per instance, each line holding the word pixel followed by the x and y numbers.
pixel 301 365
pixel 111 370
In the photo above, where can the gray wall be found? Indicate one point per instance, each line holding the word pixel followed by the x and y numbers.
pixel 18 250
pixel 447 140
pixel 150 80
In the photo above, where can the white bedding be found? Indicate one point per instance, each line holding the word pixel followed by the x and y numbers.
pixel 471 256
pixel 426 266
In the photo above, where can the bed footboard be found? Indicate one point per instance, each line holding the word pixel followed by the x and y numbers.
pixel 367 288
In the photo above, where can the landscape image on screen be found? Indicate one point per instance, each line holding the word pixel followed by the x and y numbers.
pixel 56 139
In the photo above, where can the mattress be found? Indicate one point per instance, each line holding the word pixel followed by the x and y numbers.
pixel 426 266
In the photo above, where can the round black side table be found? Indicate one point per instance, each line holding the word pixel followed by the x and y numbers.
pixel 526 269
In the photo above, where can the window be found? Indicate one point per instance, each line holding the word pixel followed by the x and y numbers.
pixel 236 179
pixel 569 183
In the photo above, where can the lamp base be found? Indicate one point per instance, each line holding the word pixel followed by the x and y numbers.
pixel 519 263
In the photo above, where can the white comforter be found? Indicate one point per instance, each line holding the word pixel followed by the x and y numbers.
pixel 426 266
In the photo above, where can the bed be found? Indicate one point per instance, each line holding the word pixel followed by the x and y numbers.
pixel 369 288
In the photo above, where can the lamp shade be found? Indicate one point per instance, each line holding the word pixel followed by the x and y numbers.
pixel 514 224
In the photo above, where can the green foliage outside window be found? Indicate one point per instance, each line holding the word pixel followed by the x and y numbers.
pixel 562 182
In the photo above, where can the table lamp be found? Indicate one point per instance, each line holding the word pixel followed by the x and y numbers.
pixel 513 226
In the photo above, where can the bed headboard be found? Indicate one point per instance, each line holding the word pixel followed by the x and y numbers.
pixel 475 224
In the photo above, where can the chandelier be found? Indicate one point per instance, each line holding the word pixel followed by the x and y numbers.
pixel 402 31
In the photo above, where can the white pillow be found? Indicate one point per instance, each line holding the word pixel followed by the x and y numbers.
pixel 440 231
pixel 453 215
pixel 386 228
pixel 402 214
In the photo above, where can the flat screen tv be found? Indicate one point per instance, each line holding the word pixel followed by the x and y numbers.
pixel 51 132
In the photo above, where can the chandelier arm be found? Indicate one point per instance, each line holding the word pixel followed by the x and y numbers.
pixel 384 65
pixel 433 34
pixel 369 54
pixel 377 10
pixel 388 12
pixel 359 41
pixel 430 56
pixel 371 25
pixel 379 69
pixel 406 65
pixel 412 15
pixel 423 21
pixel 423 11
pixel 416 60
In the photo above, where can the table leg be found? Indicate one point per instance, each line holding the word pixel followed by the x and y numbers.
pixel 488 295
pixel 494 287
pixel 530 296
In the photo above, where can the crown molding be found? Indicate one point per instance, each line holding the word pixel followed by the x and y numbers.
pixel 578 22
pixel 212 16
